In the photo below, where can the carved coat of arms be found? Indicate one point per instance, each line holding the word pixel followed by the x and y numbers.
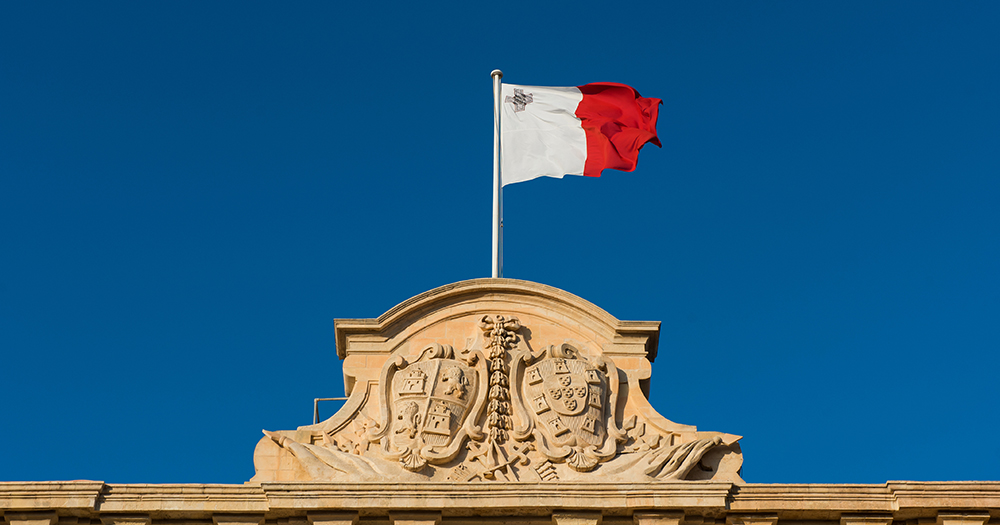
pixel 502 411
pixel 566 401
pixel 427 406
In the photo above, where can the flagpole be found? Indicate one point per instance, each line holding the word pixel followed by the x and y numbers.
pixel 497 188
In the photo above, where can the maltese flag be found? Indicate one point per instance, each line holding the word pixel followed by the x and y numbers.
pixel 583 130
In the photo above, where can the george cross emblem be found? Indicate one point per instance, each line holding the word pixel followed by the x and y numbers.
pixel 520 100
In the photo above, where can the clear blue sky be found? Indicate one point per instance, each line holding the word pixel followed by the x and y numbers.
pixel 191 192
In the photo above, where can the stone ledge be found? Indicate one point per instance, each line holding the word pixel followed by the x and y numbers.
pixel 820 501
pixel 523 498
pixel 182 499
pixel 898 500
pixel 946 494
pixel 43 495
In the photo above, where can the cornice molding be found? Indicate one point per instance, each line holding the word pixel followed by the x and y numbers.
pixel 484 287
pixel 897 499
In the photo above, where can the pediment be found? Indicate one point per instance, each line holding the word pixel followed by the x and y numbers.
pixel 497 380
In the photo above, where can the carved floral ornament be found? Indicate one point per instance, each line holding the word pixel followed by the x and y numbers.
pixel 502 411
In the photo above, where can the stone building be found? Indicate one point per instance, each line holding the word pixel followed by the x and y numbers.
pixel 506 402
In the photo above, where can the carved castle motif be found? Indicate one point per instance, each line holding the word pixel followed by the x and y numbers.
pixel 545 387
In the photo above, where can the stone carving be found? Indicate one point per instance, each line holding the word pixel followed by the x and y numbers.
pixel 499 333
pixel 540 408
pixel 501 336
pixel 564 402
pixel 425 407
pixel 676 462
pixel 521 402
pixel 457 384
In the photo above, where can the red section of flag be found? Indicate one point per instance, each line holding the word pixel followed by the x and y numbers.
pixel 618 122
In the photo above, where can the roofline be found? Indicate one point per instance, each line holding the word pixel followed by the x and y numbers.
pixel 346 327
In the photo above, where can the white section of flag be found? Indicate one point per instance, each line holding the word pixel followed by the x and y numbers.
pixel 545 138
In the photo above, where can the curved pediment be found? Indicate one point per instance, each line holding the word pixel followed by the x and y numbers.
pixel 497 380
pixel 486 295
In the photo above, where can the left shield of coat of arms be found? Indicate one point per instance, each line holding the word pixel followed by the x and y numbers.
pixel 428 407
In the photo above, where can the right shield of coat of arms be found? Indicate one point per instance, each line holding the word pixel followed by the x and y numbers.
pixel 567 401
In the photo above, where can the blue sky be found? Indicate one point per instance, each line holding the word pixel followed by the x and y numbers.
pixel 191 192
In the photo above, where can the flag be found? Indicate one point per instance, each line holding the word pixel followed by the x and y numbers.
pixel 583 130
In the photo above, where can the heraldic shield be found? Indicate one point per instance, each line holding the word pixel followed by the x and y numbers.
pixel 567 401
pixel 566 397
pixel 426 405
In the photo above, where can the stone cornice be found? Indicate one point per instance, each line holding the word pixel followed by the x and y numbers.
pixel 910 496
pixel 525 498
pixel 820 499
pixel 182 499
pixel 899 500
pixel 50 495
pixel 374 328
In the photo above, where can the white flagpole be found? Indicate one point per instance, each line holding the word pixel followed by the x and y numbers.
pixel 497 189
